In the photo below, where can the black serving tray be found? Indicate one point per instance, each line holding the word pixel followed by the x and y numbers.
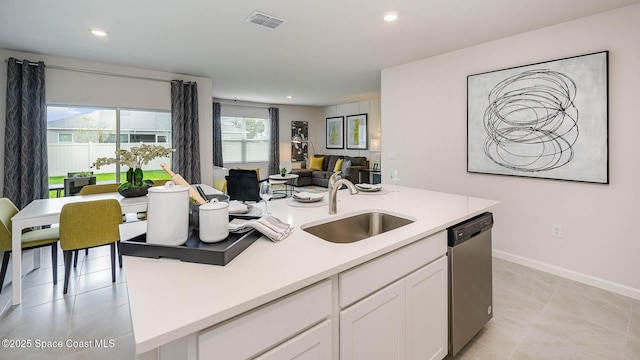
pixel 194 250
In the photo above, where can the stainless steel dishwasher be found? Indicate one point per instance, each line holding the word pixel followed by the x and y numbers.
pixel 470 284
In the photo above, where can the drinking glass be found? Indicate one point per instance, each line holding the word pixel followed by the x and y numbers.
pixel 395 177
pixel 266 192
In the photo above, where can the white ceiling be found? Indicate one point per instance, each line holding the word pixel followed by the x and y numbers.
pixel 327 52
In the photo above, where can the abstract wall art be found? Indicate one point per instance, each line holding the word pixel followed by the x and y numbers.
pixel 299 150
pixel 357 133
pixel 335 132
pixel 545 120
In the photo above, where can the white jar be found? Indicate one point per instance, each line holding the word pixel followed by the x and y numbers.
pixel 168 215
pixel 214 221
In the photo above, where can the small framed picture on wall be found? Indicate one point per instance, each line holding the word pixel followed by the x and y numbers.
pixel 335 132
pixel 357 138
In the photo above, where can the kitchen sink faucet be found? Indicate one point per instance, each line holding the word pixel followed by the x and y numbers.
pixel 335 183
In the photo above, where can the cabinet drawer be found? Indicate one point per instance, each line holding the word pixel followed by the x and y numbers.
pixel 313 344
pixel 259 330
pixel 373 275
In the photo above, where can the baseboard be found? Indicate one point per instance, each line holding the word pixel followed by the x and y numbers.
pixel 570 274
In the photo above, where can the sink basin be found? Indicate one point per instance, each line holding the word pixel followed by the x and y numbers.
pixel 356 227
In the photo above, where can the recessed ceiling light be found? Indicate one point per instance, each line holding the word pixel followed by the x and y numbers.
pixel 98 32
pixel 390 16
pixel 289 96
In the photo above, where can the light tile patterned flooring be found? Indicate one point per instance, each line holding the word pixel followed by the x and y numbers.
pixel 536 315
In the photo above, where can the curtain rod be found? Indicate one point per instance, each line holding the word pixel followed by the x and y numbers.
pixel 223 102
pixel 87 71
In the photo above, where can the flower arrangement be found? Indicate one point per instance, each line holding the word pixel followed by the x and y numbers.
pixel 134 159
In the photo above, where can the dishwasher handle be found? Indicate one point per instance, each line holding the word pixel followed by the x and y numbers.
pixel 469 229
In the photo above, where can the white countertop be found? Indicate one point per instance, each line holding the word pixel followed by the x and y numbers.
pixel 170 299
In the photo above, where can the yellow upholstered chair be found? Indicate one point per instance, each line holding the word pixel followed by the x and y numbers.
pixel 221 184
pixel 99 189
pixel 30 239
pixel 89 224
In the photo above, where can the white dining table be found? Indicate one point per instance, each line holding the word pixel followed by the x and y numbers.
pixel 47 212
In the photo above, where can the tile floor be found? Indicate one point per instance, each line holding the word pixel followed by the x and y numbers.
pixel 536 316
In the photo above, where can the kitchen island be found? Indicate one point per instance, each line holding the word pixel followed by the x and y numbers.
pixel 274 294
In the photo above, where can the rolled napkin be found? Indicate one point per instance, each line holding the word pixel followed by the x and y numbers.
pixel 269 226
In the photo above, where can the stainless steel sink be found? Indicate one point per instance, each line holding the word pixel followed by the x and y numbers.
pixel 356 227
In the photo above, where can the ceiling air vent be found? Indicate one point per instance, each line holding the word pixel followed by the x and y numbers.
pixel 265 20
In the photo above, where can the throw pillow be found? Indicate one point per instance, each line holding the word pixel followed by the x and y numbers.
pixel 338 166
pixel 345 168
pixel 315 163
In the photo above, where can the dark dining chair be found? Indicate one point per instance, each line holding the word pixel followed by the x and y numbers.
pixel 243 185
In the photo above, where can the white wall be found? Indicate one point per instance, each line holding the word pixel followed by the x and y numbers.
pixel 424 121
pixel 78 88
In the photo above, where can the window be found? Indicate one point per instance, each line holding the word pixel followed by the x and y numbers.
pixel 77 136
pixel 65 138
pixel 245 139
pixel 145 138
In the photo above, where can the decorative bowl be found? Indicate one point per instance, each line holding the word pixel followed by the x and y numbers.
pixel 134 192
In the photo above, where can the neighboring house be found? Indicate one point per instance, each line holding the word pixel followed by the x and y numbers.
pixel 100 127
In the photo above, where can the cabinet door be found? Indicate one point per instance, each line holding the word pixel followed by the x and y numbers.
pixel 374 328
pixel 313 344
pixel 426 312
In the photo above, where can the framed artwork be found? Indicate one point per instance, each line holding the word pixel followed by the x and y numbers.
pixel 335 132
pixel 300 130
pixel 357 138
pixel 546 120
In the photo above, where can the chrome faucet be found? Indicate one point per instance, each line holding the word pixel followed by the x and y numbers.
pixel 335 183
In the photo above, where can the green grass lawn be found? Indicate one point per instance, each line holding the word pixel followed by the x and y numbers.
pixel 148 174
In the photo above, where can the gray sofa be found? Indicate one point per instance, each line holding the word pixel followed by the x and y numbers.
pixel 321 177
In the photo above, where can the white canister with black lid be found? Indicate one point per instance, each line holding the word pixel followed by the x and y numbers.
pixel 168 214
pixel 214 221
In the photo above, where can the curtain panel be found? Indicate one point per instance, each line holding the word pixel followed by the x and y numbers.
pixel 217 135
pixel 25 149
pixel 274 148
pixel 185 130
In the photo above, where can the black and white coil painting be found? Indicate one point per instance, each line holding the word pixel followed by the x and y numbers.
pixel 544 120
pixel 531 122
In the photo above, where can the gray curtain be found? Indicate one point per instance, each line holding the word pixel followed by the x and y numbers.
pixel 217 135
pixel 184 128
pixel 274 148
pixel 25 140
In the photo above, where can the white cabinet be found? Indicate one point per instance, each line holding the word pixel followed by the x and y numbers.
pixel 404 320
pixel 313 344
pixel 374 328
pixel 264 328
pixel 392 307
pixel 426 312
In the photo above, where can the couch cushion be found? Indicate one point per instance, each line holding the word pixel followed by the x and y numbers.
pixel 333 159
pixel 315 163
pixel 346 164
pixel 302 172
pixel 325 162
pixel 338 166
pixel 357 160
pixel 322 174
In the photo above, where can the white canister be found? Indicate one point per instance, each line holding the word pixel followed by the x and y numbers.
pixel 168 214
pixel 214 221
